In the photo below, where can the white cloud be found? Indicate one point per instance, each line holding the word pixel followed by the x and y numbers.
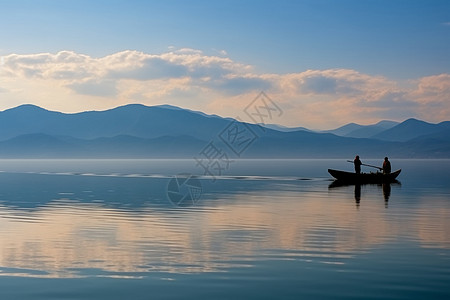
pixel 432 95
pixel 186 77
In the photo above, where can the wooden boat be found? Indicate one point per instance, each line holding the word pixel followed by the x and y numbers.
pixel 351 177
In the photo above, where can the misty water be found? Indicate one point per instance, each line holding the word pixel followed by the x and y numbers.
pixel 264 229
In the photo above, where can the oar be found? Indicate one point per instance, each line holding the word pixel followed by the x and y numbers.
pixel 350 161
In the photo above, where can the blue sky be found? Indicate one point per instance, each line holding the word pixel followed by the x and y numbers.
pixel 398 51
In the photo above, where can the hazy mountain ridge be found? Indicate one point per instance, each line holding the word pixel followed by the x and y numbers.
pixel 413 129
pixel 122 146
pixel 138 131
pixel 363 131
pixel 133 119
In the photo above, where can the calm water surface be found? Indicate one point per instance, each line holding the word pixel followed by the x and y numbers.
pixel 266 229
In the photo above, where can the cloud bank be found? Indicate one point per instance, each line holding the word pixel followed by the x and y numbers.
pixel 71 82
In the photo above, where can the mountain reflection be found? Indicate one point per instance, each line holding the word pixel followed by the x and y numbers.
pixel 80 234
pixel 118 224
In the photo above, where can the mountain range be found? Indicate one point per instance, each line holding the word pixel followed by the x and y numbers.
pixel 363 131
pixel 138 131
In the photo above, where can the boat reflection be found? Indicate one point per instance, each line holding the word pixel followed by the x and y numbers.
pixel 386 188
pixel 357 194
pixel 386 191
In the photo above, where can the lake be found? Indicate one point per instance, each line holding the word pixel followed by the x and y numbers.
pixel 262 229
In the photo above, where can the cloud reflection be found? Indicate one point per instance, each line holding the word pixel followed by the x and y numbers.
pixel 67 238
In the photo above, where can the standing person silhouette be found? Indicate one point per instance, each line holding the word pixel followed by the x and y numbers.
pixel 357 164
pixel 386 166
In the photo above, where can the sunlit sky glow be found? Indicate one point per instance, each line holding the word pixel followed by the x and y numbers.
pixel 325 63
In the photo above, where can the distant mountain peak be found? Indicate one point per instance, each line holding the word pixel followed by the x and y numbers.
pixel 283 128
pixel 414 120
pixel 26 107
pixel 363 131
pixel 168 106
pixel 387 124
pixel 408 130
